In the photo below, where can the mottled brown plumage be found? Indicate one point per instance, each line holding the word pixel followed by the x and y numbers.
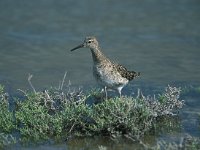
pixel 108 74
pixel 130 75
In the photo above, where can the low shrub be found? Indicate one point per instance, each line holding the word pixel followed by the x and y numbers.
pixel 55 114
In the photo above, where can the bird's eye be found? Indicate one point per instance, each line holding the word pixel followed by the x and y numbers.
pixel 89 41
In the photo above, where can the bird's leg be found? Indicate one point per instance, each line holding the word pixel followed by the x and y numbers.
pixel 102 93
pixel 120 92
pixel 105 88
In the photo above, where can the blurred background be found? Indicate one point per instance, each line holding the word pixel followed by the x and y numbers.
pixel 161 39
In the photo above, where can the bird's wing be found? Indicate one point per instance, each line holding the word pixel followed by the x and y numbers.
pixel 130 75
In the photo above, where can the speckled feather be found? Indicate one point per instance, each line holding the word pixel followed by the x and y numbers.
pixel 130 75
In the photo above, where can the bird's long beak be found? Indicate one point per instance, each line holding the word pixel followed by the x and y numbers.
pixel 77 47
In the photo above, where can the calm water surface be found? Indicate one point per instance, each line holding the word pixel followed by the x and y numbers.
pixel 161 39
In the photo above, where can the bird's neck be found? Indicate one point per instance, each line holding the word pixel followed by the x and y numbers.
pixel 97 55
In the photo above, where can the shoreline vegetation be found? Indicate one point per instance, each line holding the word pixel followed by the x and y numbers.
pixel 57 114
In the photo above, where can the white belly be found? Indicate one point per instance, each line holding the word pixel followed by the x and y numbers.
pixel 109 77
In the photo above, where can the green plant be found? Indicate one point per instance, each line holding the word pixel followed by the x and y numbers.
pixel 6 116
pixel 57 114
pixel 6 140
pixel 34 119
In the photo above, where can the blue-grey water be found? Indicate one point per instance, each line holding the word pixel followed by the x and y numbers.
pixel 159 38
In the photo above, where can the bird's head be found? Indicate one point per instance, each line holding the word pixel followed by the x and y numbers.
pixel 89 42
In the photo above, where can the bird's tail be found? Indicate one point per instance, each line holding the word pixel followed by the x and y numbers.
pixel 132 75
